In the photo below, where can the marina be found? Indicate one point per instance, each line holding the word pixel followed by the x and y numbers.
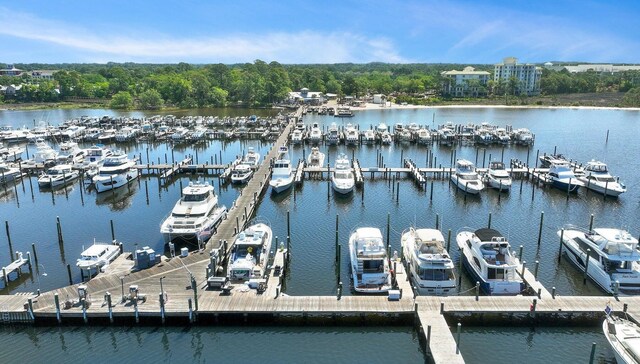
pixel 331 301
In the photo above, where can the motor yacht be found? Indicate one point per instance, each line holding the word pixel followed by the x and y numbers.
pixel 334 136
pixel 281 174
pixel 488 258
pixel 596 177
pixel 195 215
pixel 369 136
pixel 315 158
pixel 497 176
pixel 9 174
pixel 623 336
pixel 315 135
pixel 297 136
pixel 252 158
pixel 98 255
pixel 57 176
pixel 369 261
pixel 429 263
pixel 466 177
pixel 241 173
pixel 250 253
pixel 352 137
pixel 116 171
pixel 342 179
pixel 562 177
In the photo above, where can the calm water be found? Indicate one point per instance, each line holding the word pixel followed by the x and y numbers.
pixel 579 134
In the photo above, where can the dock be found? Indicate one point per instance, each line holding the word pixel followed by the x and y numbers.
pixel 15 269
pixel 164 177
pixel 299 172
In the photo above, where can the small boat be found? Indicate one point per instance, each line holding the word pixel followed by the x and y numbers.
pixel 281 174
pixel 386 138
pixel 342 179
pixel 44 154
pixel 596 177
pixel 57 176
pixel 116 171
pixel 562 177
pixel 195 214
pixel 351 135
pixel 315 158
pixel 179 134
pixel 241 173
pixel 98 255
pixel 369 261
pixel 9 174
pixel 623 336
pixel 252 158
pixel 466 177
pixel 431 267
pixel 501 136
pixel 487 256
pixel 11 154
pixel 343 112
pixel 315 135
pixel 497 176
pixel 614 260
pixel 250 253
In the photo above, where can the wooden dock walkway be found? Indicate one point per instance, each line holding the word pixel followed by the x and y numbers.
pixel 15 269
pixel 299 172
pixel 164 177
pixel 358 172
pixel 440 343
pixel 415 173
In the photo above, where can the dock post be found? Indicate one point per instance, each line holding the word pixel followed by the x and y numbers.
pixel 108 297
pixel 30 308
pixel 591 223
pixel 397 192
pixel 484 154
pixel 460 269
pixel 535 271
pixel 113 233
pixel 524 266
pixel 191 317
pixel 339 262
pixel 593 345
pixel 540 227
pixel 431 193
pixel 477 290
pixel 339 290
pixel 35 254
pixel 616 288
pixel 520 252
pixel 69 274
pixel 428 337
pixel 135 310
pixel 442 308
pixel 388 229
pixel 437 221
pixel 59 227
pixel 533 307
pixel 586 266
pixel 161 299
pixel 146 190
pixel 449 241
pixel 5 277
pixel 624 308
pixel 337 258
pixel 56 300
pixel 561 239
pixel 84 311
pixel 489 223
pixel 194 286
pixel 553 292
pixel 288 224
pixel 458 335
pixel 6 225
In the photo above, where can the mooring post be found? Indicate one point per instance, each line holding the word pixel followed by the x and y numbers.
pixel 6 225
pixel 135 310
pixel 35 254
pixel 586 266
pixel 84 310
pixel 428 336
pixel 336 244
pixel 553 292
pixel 458 341
pixel 524 266
pixel 108 297
pixel 194 286
pixel 288 224
pixel 591 223
pixel 437 221
pixel 388 229
pixel 339 262
pixel 30 308
pixel 616 288
pixel 56 299
pixel 191 316
pixel 449 240
pixel 533 307
pixel 477 290
pixel 535 270
pixel 593 345
pixel 69 274
pixel 59 226
pixel 540 227
pixel 520 252
pixel 161 299
pixel 561 240
pixel 489 223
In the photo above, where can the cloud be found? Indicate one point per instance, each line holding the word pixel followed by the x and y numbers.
pixel 121 44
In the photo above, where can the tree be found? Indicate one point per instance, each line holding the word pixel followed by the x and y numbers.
pixel 150 100
pixel 122 100
pixel 632 97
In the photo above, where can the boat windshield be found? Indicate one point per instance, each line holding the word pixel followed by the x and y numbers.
pixel 373 266
pixel 344 175
pixel 195 197
pixel 436 274
pixel 469 177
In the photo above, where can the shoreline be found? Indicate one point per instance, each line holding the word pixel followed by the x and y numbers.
pixel 370 106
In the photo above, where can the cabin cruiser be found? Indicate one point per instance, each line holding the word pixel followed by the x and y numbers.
pixel 423 136
pixel 343 112
pixel 546 160
pixel 95 155
pixel 241 173
pixel 561 176
pixel 297 136
pixel 501 136
pixel 250 253
pixel 369 261
pixel 497 176
pixel 623 336
pixel 351 135
pixel 107 136
pixel 596 177
pixel 281 175
pixel 116 171
pixel 98 255
pixel 446 135
pixel 74 131
pixel 9 174
pixel 252 158
pixel 179 134
pixel 11 154
pixel 430 265
pixel 45 154
pixel 382 128
pixel 523 136
pixel 386 138
pixel 195 215
pixel 57 175
pixel 342 179
pixel 487 256
pixel 315 158
pixel 315 135
pixel 466 177
pixel 333 136
pixel 70 154
pixel 369 136
pixel 613 256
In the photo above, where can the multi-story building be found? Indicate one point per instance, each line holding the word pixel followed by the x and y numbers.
pixel 528 75
pixel 467 82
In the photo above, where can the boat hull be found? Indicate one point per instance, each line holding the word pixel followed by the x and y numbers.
pixel 103 184
pixel 472 189
pixel 281 184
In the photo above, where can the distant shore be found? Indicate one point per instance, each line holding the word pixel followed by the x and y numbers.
pixel 391 106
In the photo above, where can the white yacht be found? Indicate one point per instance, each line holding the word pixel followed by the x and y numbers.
pixel 431 267
pixel 351 135
pixel 369 136
pixel 297 136
pixel 95 155
pixel 523 136
pixel 179 134
pixel 423 136
pixel 613 256
pixel 333 134
pixel 74 131
pixel 623 336
pixel 57 176
pixel 597 178
pixel 498 177
pixel 195 215
pixel 385 138
pixel 369 261
pixel 382 128
pixel 98 255
pixel 250 253
pixel 70 153
pixel 342 179
pixel 446 134
pixel 315 158
pixel 9 174
pixel 116 171
pixel 562 177
pixel 252 158
pixel 315 135
pixel 488 258
pixel 11 154
pixel 281 175
pixel 44 154
pixel 546 160
pixel 241 173
pixel 466 177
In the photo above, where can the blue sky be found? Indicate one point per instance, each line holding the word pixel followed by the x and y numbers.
pixel 161 31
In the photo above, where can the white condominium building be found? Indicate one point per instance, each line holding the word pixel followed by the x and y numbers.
pixel 467 82
pixel 527 74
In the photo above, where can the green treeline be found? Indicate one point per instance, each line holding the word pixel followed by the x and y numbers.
pixel 152 86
